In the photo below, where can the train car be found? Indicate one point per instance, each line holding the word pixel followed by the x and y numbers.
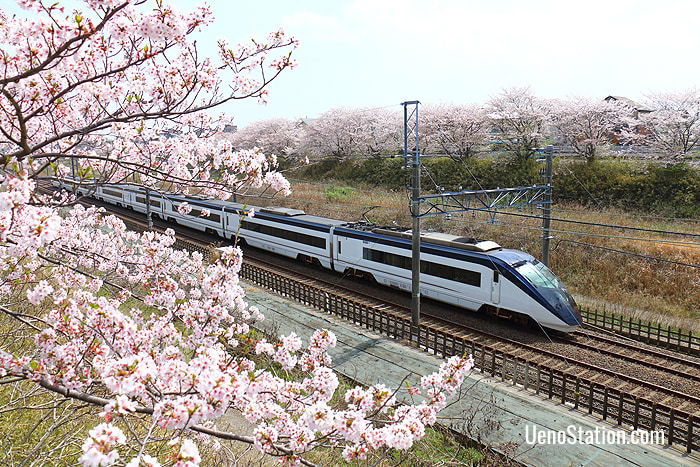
pixel 473 274
pixel 291 233
pixel 476 275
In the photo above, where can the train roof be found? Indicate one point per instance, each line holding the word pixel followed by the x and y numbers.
pixel 445 239
pixel 512 257
pixel 290 213
pixel 299 217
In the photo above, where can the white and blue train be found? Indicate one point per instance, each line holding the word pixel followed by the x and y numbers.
pixel 477 275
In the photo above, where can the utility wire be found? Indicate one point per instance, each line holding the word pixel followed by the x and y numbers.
pixel 597 202
pixel 554 208
pixel 612 226
pixel 612 237
pixel 639 216
pixel 654 258
pixel 530 216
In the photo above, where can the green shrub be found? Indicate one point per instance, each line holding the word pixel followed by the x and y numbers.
pixel 338 193
pixel 672 190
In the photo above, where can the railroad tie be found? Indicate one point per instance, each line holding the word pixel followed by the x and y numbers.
pixel 562 365
pixel 683 405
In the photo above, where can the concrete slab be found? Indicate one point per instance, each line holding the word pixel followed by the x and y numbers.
pixel 490 412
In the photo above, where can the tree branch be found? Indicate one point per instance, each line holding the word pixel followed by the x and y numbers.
pixel 100 401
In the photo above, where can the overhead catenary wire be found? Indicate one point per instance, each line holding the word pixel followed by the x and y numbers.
pixel 640 255
pixel 587 211
pixel 360 206
pixel 597 224
pixel 637 216
pixel 611 237
pixel 579 222
pixel 615 250
pixel 557 208
pixel 600 235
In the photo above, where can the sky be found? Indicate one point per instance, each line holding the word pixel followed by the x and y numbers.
pixel 378 53
pixel 375 53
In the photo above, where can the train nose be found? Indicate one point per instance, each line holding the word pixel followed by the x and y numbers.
pixel 574 307
pixel 562 305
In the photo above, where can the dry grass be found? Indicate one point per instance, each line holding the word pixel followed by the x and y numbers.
pixel 640 287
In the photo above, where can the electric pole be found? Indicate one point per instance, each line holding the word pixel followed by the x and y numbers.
pixel 547 209
pixel 414 162
pixel 149 216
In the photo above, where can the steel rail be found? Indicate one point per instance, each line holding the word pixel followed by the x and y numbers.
pixel 633 348
pixel 457 327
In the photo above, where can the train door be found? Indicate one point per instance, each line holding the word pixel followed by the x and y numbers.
pixel 157 206
pixel 496 288
pixel 224 222
pixel 333 247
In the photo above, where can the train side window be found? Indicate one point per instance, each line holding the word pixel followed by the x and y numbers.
pixel 213 217
pixel 340 245
pixel 467 277
pixel 117 194
pixel 396 260
pixel 285 234
pixel 390 259
pixel 153 202
pixel 495 276
pixel 426 267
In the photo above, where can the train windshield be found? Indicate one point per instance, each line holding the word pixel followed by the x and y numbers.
pixel 539 275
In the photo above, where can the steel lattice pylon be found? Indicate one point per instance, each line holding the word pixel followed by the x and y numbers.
pixel 483 200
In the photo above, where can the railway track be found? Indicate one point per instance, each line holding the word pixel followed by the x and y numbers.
pixel 673 364
pixel 678 367
pixel 622 382
pixel 578 383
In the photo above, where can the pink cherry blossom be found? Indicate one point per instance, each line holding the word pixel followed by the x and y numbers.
pixel 144 460
pixel 38 293
pixel 519 118
pixel 188 456
pixel 98 449
pixel 184 208
pixel 587 124
pixel 117 92
pixel 121 405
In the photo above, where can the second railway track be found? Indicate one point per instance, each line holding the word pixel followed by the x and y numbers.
pixel 529 352
pixel 679 368
pixel 589 375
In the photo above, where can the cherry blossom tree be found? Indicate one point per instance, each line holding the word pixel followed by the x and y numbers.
pixel 455 130
pixel 275 136
pixel 518 120
pixel 586 124
pixel 673 126
pixel 95 315
pixel 344 133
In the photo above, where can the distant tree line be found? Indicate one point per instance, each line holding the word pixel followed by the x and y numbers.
pixel 514 121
